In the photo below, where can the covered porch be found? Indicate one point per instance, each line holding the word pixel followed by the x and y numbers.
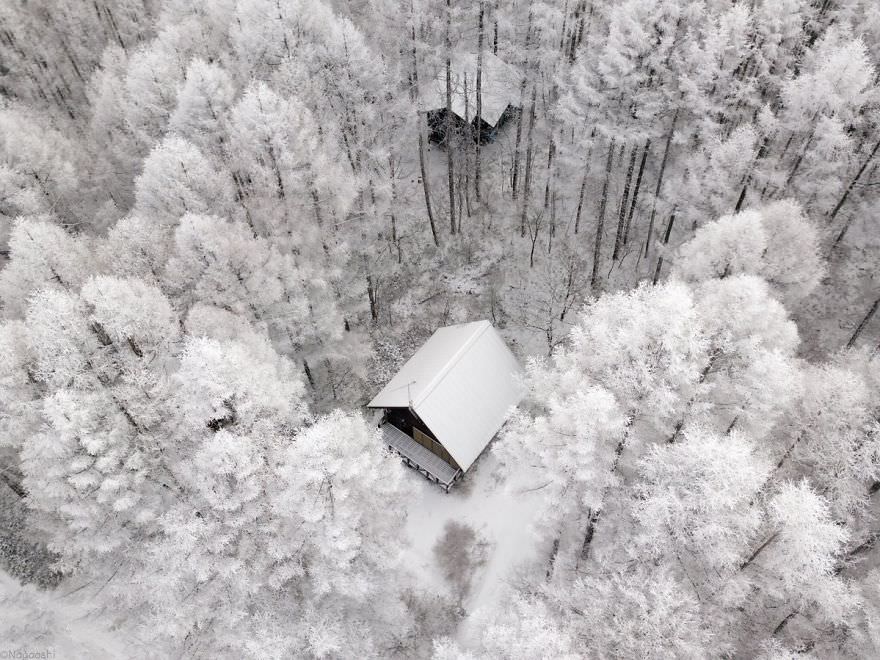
pixel 418 457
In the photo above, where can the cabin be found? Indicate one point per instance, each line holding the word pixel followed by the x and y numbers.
pixel 500 97
pixel 449 400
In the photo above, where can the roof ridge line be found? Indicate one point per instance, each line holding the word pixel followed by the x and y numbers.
pixel 455 359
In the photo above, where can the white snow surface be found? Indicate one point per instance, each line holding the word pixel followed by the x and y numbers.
pixel 500 512
pixel 462 383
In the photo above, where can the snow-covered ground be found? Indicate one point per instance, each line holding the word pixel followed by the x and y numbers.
pixel 500 514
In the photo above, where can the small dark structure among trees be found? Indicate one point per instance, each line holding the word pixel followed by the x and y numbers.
pixel 437 125
pixel 499 98
pixel 449 400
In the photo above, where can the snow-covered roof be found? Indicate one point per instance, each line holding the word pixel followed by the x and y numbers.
pixel 500 84
pixel 461 384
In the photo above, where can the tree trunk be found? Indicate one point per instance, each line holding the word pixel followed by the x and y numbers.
pixel 757 552
pixel 635 197
pixel 784 622
pixel 533 235
pixel 449 159
pixel 665 242
pixel 18 489
pixel 426 185
pixel 466 169
pixel 563 32
pixel 581 25
pixel 495 31
pixel 580 206
pixel 514 179
pixel 554 551
pixel 372 291
pixel 422 122
pixel 703 375
pixel 624 203
pixel 577 216
pixel 527 184
pixel 748 178
pixel 479 118
pixel 660 182
pixel 784 458
pixel 803 152
pixel 591 531
pixel 395 240
pixel 578 34
pixel 741 199
pixel 853 183
pixel 596 514
pixel 514 176
pixel 551 150
pixel 865 321
pixel 600 222
pixel 279 183
pixel 308 373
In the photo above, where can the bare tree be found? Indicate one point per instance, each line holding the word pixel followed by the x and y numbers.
pixel 421 119
pixel 534 227
pixel 624 203
pixel 665 242
pixel 635 196
pixel 527 185
pixel 479 118
pixel 660 181
pixel 865 321
pixel 514 180
pixel 449 159
pixel 580 205
pixel 853 183
pixel 600 221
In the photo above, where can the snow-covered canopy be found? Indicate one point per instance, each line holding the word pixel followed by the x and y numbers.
pixel 500 85
pixel 461 383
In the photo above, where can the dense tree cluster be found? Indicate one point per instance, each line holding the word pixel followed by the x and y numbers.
pixel 223 224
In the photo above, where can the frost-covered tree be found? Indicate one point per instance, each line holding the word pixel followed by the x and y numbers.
pixel 95 470
pixel 775 242
pixel 821 107
pixel 294 187
pixel 234 406
pixel 695 502
pixel 834 435
pixel 221 263
pixel 178 179
pixel 574 440
pixel 38 167
pixel 793 572
pixel 750 377
pixel 43 254
pixel 203 102
pixel 20 392
pixel 705 510
pixel 152 75
pixel 641 346
pixel 278 516
pixel 136 247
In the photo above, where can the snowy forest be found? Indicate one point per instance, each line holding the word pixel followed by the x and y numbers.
pixel 226 224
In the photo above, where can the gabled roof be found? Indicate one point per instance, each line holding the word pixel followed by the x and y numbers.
pixel 461 384
pixel 500 83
